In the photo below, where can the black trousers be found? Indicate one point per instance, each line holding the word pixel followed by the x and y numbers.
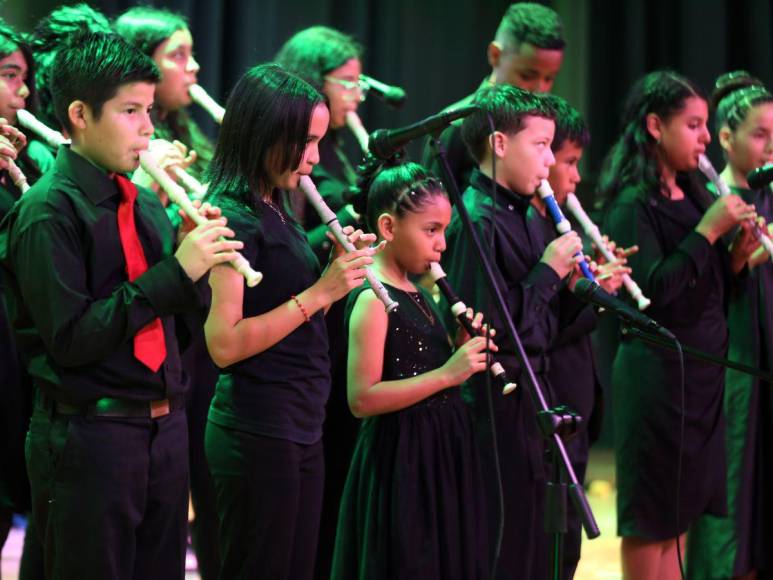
pixel 269 497
pixel 525 550
pixel 203 375
pixel 110 496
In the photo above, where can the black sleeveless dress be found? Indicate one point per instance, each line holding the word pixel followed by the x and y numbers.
pixel 413 502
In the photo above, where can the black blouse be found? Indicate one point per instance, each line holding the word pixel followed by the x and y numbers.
pixel 282 391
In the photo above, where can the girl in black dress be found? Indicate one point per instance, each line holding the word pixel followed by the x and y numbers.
pixel 263 437
pixel 737 546
pixel 412 503
pixel 685 268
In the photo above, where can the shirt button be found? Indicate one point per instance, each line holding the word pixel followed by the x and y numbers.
pixel 692 283
pixel 510 207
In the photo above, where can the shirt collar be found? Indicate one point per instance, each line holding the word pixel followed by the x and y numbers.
pixel 505 198
pixel 95 182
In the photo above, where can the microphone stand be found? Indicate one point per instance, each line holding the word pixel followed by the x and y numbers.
pixel 553 423
pixel 660 341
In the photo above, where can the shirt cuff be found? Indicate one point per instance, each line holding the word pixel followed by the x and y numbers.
pixel 168 288
pixel 545 279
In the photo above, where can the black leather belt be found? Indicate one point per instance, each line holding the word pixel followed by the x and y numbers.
pixel 110 407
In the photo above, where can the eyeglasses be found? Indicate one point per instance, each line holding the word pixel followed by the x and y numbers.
pixel 350 86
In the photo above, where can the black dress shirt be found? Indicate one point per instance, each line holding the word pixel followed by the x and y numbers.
pixel 74 311
pixel 529 286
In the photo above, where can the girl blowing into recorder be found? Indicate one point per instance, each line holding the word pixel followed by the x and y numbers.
pixel 263 438
pixel 736 545
pixel 684 265
pixel 412 505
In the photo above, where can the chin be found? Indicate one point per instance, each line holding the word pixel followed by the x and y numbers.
pixel 292 182
pixel 131 165
pixel 337 123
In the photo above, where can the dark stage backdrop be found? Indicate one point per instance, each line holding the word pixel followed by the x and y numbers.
pixel 435 49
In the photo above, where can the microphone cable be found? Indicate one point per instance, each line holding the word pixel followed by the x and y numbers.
pixel 679 460
pixel 489 387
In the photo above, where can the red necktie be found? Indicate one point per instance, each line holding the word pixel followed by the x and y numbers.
pixel 149 343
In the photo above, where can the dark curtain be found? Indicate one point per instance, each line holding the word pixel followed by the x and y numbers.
pixel 701 39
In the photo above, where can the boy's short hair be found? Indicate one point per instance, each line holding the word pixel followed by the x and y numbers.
pixel 507 106
pixel 570 126
pixel 92 68
pixel 528 22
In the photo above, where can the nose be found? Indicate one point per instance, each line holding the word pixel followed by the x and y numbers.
pixel 441 245
pixel 24 91
pixel 544 85
pixel 706 136
pixel 193 65
pixel 549 157
pixel 146 130
pixel 576 178
pixel 312 154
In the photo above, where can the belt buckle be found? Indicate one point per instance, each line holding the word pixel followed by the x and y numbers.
pixel 159 408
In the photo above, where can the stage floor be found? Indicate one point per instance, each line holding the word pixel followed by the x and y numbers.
pixel 600 557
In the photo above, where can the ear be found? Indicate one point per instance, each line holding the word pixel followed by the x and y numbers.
pixel 726 138
pixel 654 126
pixel 498 143
pixel 386 226
pixel 78 114
pixel 494 53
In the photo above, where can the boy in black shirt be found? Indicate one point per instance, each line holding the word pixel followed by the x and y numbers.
pixel 93 290
pixel 530 275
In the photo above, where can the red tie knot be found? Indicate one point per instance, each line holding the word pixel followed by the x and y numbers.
pixel 127 188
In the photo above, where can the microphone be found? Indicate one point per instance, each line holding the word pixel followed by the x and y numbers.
pixel 760 177
pixel 392 96
pixel 384 143
pixel 591 292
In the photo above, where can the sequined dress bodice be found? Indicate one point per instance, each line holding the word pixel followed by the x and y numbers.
pixel 416 340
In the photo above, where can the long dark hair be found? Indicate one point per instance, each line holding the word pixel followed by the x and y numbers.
pixel 314 52
pixel 264 132
pixel 633 158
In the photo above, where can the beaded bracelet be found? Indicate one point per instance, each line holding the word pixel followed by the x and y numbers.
pixel 302 307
